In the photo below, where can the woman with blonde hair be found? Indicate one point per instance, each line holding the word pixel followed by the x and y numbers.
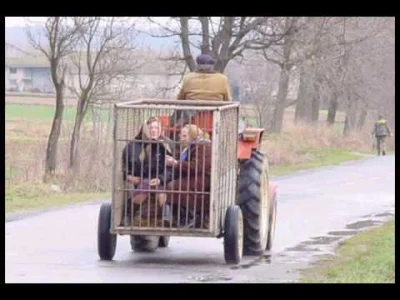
pixel 192 173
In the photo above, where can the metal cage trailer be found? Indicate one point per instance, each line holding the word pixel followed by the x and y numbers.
pixel 222 191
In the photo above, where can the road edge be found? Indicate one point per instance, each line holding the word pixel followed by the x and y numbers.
pixel 23 214
pixel 327 167
pixel 19 215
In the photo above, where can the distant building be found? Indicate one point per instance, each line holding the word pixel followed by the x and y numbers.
pixel 28 74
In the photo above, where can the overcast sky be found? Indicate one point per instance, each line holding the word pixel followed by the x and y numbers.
pixel 142 23
pixel 22 21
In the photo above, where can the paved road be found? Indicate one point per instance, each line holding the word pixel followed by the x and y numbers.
pixel 316 210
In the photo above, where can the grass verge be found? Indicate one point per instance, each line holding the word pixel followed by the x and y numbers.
pixel 365 258
pixel 30 197
pixel 317 157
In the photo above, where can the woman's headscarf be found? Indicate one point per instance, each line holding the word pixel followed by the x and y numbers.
pixel 145 136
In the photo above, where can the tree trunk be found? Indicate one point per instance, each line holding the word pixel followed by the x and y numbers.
pixel 333 106
pixel 220 65
pixel 52 144
pixel 362 117
pixel 316 103
pixel 74 148
pixel 205 46
pixel 301 105
pixel 277 119
pixel 186 44
pixel 97 124
pixel 351 116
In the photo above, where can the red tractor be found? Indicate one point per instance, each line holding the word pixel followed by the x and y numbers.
pixel 256 194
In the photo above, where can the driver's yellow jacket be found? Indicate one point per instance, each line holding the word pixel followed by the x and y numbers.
pixel 205 86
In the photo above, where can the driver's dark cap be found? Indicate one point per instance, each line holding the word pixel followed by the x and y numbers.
pixel 205 59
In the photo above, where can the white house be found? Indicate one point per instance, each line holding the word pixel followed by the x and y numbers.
pixel 28 74
pixel 150 76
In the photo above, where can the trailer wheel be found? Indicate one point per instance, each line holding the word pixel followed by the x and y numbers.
pixel 233 235
pixel 144 243
pixel 106 242
pixel 164 241
pixel 254 202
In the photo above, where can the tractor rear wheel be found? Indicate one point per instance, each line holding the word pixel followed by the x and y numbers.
pixel 255 203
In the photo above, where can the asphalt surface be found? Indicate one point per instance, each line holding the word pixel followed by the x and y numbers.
pixel 317 209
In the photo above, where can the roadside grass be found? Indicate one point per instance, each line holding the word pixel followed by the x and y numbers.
pixel 30 196
pixel 317 157
pixel 33 195
pixel 368 257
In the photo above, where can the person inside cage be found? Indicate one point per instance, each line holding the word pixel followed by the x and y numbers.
pixel 189 191
pixel 144 167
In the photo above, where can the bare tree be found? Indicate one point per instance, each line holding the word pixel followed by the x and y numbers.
pixel 281 55
pixel 225 38
pixel 257 87
pixel 371 71
pixel 368 71
pixel 56 40
pixel 104 63
pixel 309 43
pixel 340 66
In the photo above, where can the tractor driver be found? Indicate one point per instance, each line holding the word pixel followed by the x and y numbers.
pixel 203 84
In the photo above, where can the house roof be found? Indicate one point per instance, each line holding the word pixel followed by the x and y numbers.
pixel 27 61
pixel 144 63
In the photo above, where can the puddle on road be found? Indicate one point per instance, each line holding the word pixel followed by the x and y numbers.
pixel 264 259
pixel 362 224
pixel 322 240
pixel 291 260
pixel 182 262
pixel 344 232
pixel 210 278
pixel 302 247
pixel 366 216
pixel 386 214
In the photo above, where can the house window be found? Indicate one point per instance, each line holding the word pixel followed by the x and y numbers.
pixel 13 70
